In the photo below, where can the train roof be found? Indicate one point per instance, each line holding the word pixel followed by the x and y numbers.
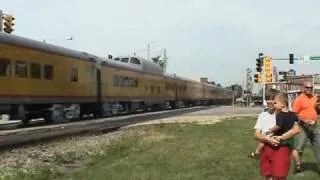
pixel 42 46
pixel 144 66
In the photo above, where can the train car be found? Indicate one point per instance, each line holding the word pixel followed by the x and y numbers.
pixel 133 83
pixel 41 80
pixel 36 76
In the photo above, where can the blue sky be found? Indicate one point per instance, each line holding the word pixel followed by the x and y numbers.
pixel 217 39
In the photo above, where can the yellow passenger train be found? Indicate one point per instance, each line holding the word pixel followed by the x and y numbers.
pixel 56 83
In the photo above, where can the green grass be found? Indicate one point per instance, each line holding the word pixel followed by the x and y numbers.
pixel 190 152
pixel 180 151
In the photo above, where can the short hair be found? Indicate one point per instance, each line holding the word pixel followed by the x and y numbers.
pixel 283 98
pixel 272 96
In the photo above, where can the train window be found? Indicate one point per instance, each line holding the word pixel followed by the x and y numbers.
pixel 133 82
pixel 116 59
pixel 134 61
pixel 48 71
pixel 121 81
pixel 35 70
pixel 130 82
pixel 125 60
pixel 126 82
pixel 136 83
pixel 21 69
pixel 5 67
pixel 74 75
pixel 115 80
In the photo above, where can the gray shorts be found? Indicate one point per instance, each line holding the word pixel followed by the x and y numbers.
pixel 311 132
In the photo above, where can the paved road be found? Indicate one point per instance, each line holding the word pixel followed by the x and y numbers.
pixel 226 111
pixel 209 116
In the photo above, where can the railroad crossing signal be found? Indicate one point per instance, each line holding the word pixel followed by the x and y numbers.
pixel 8 23
pixel 257 78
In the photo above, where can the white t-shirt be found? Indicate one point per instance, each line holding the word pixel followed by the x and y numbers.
pixel 265 121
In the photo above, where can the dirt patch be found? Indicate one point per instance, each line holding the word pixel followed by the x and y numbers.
pixel 69 151
pixel 77 166
pixel 192 119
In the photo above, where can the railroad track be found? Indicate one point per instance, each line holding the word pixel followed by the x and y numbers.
pixel 41 122
pixel 18 137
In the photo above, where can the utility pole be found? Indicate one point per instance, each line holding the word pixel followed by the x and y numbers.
pixel 148 51
pixel 263 84
pixel 249 86
pixel 1 15
pixel 165 62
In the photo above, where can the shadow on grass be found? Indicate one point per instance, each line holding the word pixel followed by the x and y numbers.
pixel 311 167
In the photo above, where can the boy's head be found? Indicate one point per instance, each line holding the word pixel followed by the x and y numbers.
pixel 281 101
pixel 270 104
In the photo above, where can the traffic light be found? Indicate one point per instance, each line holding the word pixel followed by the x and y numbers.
pixel 257 78
pixel 267 65
pixel 268 68
pixel 8 23
pixel 269 78
pixel 259 64
pixel 291 58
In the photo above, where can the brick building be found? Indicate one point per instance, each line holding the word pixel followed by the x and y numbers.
pixel 295 84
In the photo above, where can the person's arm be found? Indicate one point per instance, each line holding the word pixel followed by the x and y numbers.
pixel 273 129
pixel 265 139
pixel 293 131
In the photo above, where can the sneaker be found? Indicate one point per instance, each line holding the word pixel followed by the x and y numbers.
pixel 298 169
pixel 253 155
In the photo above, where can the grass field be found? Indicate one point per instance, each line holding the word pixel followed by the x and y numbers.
pixel 178 151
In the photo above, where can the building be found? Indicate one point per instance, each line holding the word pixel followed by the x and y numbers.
pixel 295 84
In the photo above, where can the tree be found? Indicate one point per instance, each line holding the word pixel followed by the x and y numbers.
pixel 237 89
pixel 219 85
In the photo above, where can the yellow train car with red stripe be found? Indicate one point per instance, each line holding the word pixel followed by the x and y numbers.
pixel 56 83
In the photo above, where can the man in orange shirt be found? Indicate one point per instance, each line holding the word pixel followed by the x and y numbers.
pixel 305 107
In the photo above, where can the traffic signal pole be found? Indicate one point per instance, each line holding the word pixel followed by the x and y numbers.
pixel 263 85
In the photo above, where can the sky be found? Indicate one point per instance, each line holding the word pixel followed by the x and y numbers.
pixel 218 39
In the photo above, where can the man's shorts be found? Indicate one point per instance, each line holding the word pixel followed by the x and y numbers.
pixel 275 161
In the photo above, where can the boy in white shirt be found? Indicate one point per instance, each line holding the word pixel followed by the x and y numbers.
pixel 266 121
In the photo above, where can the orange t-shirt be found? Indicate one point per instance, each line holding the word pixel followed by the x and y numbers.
pixel 305 107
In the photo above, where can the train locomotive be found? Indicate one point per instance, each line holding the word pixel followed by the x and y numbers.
pixel 41 80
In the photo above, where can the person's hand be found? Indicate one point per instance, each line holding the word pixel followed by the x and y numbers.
pixel 272 140
pixel 278 138
pixel 309 122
